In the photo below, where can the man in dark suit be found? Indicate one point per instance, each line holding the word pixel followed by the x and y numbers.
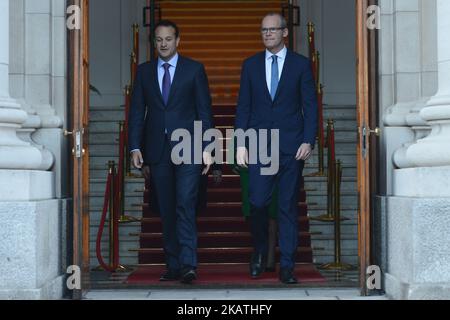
pixel 171 93
pixel 277 92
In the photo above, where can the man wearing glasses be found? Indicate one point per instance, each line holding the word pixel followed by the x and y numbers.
pixel 277 91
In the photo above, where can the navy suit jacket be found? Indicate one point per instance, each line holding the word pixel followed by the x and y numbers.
pixel 294 109
pixel 189 101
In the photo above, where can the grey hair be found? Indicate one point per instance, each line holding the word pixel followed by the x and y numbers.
pixel 283 19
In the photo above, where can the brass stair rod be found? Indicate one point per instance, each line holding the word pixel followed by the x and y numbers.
pixel 114 223
pixel 337 212
pixel 328 217
pixel 337 264
pixel 317 66
pixel 331 174
pixel 321 138
pixel 112 170
pixel 122 174
pixel 135 28
pixel 133 67
pixel 125 142
pixel 311 39
pixel 123 217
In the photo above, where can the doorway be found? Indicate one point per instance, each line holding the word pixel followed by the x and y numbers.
pixel 81 111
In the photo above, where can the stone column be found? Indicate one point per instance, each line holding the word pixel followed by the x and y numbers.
pixel 14 153
pixel 417 221
pixel 399 74
pixel 17 45
pixel 428 80
pixel 404 66
pixel 38 80
pixel 434 150
pixel 39 55
pixel 30 216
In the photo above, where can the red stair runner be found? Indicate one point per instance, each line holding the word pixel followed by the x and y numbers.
pixel 232 275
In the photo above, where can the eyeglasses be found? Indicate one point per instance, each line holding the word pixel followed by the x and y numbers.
pixel 271 30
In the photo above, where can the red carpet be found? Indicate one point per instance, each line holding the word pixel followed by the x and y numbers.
pixel 221 274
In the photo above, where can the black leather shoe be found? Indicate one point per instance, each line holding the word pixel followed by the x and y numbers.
pixel 287 276
pixel 257 265
pixel 170 275
pixel 188 274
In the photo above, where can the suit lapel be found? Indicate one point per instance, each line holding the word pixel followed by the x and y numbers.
pixel 284 74
pixel 155 84
pixel 262 75
pixel 176 80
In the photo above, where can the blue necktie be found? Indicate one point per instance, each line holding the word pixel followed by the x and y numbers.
pixel 166 83
pixel 274 77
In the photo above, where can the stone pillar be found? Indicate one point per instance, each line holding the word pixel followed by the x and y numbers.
pixel 405 64
pixel 417 219
pixel 39 60
pixel 399 75
pixel 17 69
pixel 14 153
pixel 38 80
pixel 428 80
pixel 30 216
pixel 434 150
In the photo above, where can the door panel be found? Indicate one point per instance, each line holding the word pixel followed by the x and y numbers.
pixel 79 104
pixel 366 152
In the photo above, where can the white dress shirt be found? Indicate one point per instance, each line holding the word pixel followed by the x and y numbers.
pixel 281 57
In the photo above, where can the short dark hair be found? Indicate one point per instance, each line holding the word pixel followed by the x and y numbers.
pixel 167 23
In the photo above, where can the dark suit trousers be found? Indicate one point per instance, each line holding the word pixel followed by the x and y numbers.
pixel 176 188
pixel 261 189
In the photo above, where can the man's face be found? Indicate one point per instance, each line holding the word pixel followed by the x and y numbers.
pixel 166 42
pixel 274 37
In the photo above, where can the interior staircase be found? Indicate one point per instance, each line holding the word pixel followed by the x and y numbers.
pixel 221 34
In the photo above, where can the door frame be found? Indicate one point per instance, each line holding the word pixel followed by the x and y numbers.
pixel 367 104
pixel 367 119
pixel 78 99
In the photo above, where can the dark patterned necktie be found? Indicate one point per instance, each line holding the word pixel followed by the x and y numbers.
pixel 166 83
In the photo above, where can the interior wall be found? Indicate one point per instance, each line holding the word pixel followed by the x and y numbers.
pixel 335 36
pixel 111 45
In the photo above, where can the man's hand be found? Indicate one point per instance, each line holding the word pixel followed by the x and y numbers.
pixel 304 152
pixel 136 159
pixel 207 161
pixel 242 157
